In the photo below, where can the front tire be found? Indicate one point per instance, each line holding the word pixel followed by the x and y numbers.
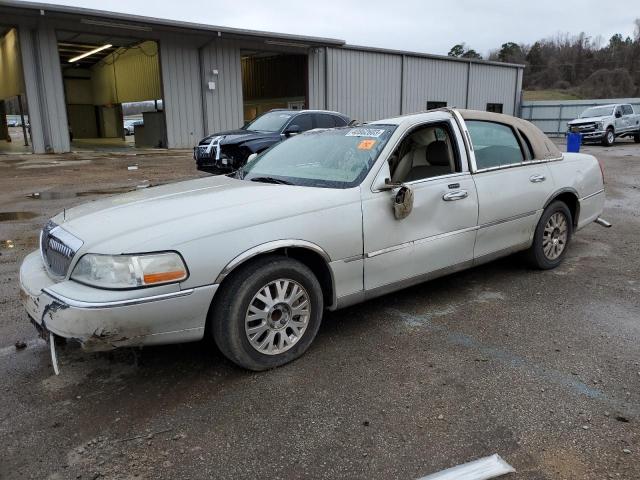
pixel 636 138
pixel 552 236
pixel 609 137
pixel 267 313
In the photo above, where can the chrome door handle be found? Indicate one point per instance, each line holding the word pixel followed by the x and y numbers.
pixel 537 178
pixel 451 196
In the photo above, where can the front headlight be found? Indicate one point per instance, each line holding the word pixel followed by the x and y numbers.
pixel 129 271
pixel 600 125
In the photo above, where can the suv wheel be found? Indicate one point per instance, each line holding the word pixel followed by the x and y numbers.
pixel 267 313
pixel 552 237
pixel 609 137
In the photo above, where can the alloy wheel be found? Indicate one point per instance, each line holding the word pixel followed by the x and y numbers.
pixel 555 235
pixel 277 316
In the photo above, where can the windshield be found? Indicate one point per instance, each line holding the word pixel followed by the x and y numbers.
pixel 269 122
pixel 334 158
pixel 597 112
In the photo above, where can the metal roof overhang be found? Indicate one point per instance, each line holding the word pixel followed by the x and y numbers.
pixel 131 23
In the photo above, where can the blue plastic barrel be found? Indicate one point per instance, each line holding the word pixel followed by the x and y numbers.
pixel 573 142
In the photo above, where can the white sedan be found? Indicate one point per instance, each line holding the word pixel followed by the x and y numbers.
pixel 327 219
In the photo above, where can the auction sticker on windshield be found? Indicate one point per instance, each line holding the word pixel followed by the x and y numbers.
pixel 365 132
pixel 366 144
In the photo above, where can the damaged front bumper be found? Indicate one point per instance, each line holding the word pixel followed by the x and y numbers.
pixel 106 319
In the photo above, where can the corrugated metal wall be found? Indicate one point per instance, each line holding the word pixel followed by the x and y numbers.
pixel 44 89
pixel 427 79
pixel 493 84
pixel 551 116
pixel 223 106
pixel 182 91
pixel 316 78
pixel 364 85
pixel 367 85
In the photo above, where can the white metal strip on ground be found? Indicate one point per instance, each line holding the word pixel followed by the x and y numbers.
pixel 481 469
pixel 54 357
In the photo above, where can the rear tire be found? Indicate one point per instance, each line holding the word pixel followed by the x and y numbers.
pixel 259 335
pixel 609 137
pixel 552 237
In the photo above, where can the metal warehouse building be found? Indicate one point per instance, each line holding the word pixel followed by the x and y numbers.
pixel 73 69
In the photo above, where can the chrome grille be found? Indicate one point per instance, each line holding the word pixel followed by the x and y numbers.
pixel 205 152
pixel 585 127
pixel 58 247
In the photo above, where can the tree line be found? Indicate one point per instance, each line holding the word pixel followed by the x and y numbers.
pixel 587 67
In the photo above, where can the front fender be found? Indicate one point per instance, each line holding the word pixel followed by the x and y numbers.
pixel 267 248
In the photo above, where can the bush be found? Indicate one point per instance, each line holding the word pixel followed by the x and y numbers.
pixel 604 83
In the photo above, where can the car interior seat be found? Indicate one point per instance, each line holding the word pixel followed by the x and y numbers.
pixel 426 157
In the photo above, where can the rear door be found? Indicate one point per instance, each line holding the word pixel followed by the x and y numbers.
pixel 512 188
pixel 630 120
pixel 619 120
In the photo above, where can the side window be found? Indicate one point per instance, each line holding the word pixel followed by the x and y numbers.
pixel 432 105
pixel 494 107
pixel 339 121
pixel 324 121
pixel 426 152
pixel 494 144
pixel 303 121
pixel 627 110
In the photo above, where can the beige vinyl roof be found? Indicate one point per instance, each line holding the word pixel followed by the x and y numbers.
pixel 543 148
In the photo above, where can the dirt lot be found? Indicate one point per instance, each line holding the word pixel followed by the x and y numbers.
pixel 540 367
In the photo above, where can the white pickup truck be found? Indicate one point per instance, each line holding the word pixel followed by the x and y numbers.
pixel 606 122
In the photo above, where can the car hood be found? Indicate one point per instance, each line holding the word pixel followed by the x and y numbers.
pixel 578 121
pixel 161 218
pixel 238 136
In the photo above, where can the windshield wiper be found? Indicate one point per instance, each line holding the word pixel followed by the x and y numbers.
pixel 270 180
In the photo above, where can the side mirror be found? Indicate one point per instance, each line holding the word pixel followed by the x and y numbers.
pixel 389 185
pixel 618 114
pixel 292 130
pixel 403 202
pixel 251 157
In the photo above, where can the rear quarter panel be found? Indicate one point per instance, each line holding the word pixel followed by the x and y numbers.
pixel 580 173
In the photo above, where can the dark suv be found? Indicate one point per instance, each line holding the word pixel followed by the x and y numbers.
pixel 227 151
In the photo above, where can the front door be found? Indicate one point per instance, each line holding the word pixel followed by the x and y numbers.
pixel 620 120
pixel 439 233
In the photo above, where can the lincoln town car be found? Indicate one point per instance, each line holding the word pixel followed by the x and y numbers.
pixel 327 219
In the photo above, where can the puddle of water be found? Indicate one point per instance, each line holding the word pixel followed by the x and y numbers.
pixel 52 195
pixel 106 191
pixel 12 216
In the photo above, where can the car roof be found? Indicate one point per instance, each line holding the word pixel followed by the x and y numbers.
pixel 542 147
pixel 289 110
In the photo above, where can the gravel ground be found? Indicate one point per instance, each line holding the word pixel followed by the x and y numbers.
pixel 540 367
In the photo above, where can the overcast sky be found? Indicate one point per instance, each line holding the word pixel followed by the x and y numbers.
pixel 418 25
